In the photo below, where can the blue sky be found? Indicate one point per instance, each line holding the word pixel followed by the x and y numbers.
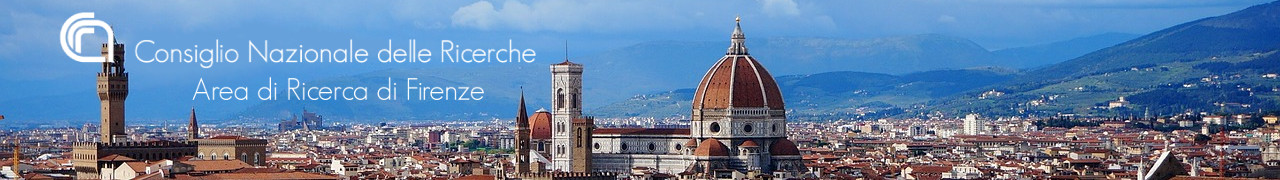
pixel 28 29
pixel 31 64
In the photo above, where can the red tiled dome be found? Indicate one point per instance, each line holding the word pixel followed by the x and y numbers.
pixel 749 143
pixel 540 125
pixel 691 143
pixel 784 147
pixel 711 147
pixel 737 80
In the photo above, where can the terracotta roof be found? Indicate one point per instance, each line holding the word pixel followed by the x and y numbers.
pixel 737 81
pixel 711 147
pixel 137 166
pixel 784 147
pixel 930 169
pixel 116 157
pixel 281 175
pixel 229 137
pixel 478 177
pixel 749 143
pixel 217 165
pixel 260 170
pixel 540 125
pixel 566 62
pixel 643 131
pixel 185 158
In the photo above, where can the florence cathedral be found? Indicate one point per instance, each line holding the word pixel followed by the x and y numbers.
pixel 737 125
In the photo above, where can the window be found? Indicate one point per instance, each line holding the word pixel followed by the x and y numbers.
pixel 597 145
pixel 746 128
pixel 715 127
pixel 652 147
pixel 574 100
pixel 559 98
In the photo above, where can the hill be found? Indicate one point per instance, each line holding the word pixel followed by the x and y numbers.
pixel 1217 64
pixel 815 96
pixel 1056 52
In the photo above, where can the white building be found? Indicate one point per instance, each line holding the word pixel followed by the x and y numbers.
pixel 972 126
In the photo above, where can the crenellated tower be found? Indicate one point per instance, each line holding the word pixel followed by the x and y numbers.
pixel 581 158
pixel 113 88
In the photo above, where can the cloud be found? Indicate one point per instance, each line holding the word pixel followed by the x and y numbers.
pixel 566 15
pixel 562 16
pixel 481 15
pixel 781 7
pixel 617 16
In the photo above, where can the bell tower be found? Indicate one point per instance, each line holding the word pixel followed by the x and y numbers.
pixel 193 128
pixel 113 88
pixel 566 105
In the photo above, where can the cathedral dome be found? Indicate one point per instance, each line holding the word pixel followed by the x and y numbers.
pixel 711 147
pixel 691 143
pixel 749 143
pixel 784 147
pixel 540 125
pixel 737 80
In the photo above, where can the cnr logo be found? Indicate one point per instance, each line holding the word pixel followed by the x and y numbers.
pixel 77 26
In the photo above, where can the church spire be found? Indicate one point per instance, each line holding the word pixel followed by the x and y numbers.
pixel 738 47
pixel 193 128
pixel 522 118
pixel 522 137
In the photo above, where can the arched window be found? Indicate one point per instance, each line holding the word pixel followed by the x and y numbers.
pixel 574 100
pixel 581 139
pixel 560 98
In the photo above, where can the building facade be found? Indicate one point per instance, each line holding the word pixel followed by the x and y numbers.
pixel 566 89
pixel 972 126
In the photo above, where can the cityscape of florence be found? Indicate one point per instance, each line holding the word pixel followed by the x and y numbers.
pixel 771 89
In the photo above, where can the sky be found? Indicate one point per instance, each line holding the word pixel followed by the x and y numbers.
pixel 32 66
pixel 28 29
